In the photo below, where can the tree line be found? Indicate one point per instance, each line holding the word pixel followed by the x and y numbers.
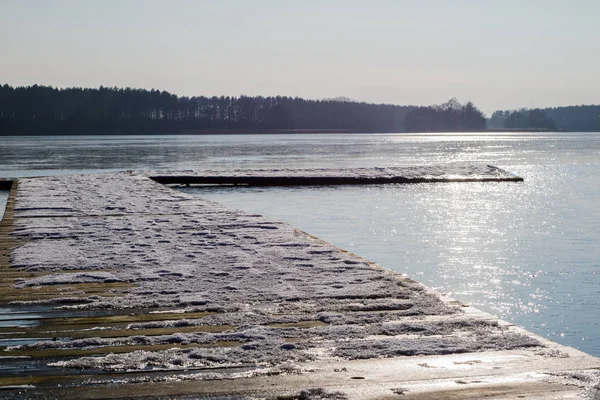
pixel 569 118
pixel 41 110
pixel 47 110
pixel 522 119
pixel 448 117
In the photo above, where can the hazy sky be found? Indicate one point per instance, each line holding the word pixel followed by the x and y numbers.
pixel 498 54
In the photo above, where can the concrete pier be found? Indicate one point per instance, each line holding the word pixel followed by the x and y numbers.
pixel 115 286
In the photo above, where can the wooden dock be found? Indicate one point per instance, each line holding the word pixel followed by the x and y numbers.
pixel 339 176
pixel 115 286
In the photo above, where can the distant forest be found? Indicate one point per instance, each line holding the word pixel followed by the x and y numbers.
pixel 448 117
pixel 570 118
pixel 44 110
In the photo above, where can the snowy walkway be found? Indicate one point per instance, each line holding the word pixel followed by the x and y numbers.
pixel 116 286
pixel 339 176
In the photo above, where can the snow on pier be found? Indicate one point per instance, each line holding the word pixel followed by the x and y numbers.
pixel 339 176
pixel 114 285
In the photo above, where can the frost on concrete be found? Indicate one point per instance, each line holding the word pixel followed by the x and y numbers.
pixel 262 353
pixel 301 336
pixel 282 296
pixel 430 328
pixel 588 380
pixel 83 277
pixel 363 349
pixel 314 394
pixel 439 172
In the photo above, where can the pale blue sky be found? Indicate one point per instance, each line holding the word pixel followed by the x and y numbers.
pixel 498 54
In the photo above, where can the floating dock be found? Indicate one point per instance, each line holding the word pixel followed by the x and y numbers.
pixel 116 286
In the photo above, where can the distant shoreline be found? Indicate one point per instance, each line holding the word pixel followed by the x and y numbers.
pixel 525 130
pixel 201 132
pixel 260 131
